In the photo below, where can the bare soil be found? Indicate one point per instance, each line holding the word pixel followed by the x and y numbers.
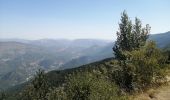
pixel 160 93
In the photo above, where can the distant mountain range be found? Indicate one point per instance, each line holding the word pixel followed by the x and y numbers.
pixel 162 39
pixel 20 59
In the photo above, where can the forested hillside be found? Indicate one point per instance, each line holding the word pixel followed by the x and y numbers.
pixel 138 65
pixel 20 60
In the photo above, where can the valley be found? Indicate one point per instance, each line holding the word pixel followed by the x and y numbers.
pixel 20 59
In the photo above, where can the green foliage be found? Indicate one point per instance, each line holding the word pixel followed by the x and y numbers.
pixel 86 86
pixel 38 88
pixel 140 65
pixel 3 95
pixel 148 64
pixel 57 94
pixel 166 51
pixel 142 68
pixel 78 87
pixel 130 36
pixel 84 83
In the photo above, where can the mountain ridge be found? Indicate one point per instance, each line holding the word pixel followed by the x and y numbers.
pixel 24 62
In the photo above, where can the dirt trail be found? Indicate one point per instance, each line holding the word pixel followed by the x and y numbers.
pixel 164 94
pixel 161 93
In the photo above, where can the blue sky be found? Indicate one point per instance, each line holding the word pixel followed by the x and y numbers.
pixel 72 19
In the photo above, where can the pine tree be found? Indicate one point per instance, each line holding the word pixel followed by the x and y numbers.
pixel 130 36
pixel 40 85
pixel 38 88
pixel 2 95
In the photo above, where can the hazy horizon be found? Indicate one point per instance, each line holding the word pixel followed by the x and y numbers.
pixel 57 39
pixel 97 19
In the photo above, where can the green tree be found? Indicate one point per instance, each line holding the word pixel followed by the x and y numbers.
pixel 38 88
pixel 144 67
pixel 149 65
pixel 3 95
pixel 130 36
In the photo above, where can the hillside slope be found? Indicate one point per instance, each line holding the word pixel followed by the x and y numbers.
pixel 57 77
pixel 161 39
pixel 19 61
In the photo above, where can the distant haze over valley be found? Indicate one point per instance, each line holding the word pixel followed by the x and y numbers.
pixel 20 59
pixel 84 49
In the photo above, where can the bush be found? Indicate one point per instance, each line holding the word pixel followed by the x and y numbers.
pixel 142 68
pixel 85 86
pixel 57 94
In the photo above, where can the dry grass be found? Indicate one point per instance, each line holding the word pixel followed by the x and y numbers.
pixel 160 93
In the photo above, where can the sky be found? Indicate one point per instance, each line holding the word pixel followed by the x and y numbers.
pixel 75 19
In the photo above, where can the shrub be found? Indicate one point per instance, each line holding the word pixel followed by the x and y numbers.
pixel 85 86
pixel 57 94
pixel 142 68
